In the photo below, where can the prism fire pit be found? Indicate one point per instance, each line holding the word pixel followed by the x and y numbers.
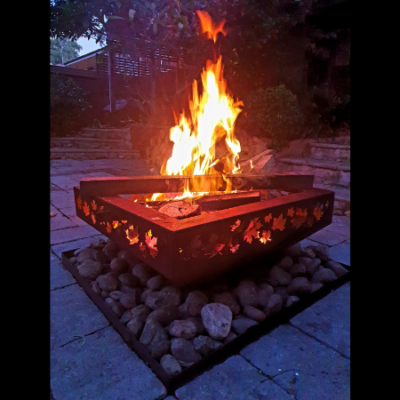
pixel 203 246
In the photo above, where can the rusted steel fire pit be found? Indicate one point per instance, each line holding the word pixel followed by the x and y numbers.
pixel 201 247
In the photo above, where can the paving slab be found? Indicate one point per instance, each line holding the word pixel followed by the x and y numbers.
pixel 301 365
pixel 58 249
pixel 62 199
pixel 329 238
pixel 340 219
pixel 308 242
pixel 72 314
pixel 60 222
pixel 234 379
pixel 269 390
pixel 59 277
pixel 64 182
pixel 342 229
pixel 102 367
pixel 69 234
pixel 328 320
pixel 69 211
pixel 341 253
pixel 78 221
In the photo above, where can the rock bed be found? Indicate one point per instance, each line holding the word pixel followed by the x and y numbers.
pixel 179 326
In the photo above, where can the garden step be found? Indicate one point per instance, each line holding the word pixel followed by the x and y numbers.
pixel 325 172
pixel 342 195
pixel 92 154
pixel 328 151
pixel 90 143
pixel 111 134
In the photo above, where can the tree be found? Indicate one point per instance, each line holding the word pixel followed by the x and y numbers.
pixel 63 50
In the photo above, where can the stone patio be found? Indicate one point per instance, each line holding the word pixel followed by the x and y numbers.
pixel 309 358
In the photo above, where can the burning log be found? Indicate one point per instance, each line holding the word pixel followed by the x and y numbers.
pixel 179 209
pixel 257 163
pixel 229 200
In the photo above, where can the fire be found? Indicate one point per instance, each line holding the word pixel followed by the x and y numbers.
pixel 212 118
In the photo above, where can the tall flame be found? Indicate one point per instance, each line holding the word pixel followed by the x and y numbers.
pixel 212 118
pixel 208 26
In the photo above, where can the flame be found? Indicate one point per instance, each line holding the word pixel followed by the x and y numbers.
pixel 208 26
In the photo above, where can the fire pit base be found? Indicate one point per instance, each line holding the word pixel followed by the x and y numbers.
pixel 224 351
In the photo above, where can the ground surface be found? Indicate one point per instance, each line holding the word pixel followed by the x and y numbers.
pixel 309 358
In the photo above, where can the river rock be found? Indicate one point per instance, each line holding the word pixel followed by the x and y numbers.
pixel 95 287
pixel 129 300
pixel 138 316
pixel 205 345
pixel 104 294
pixel 316 286
pixel 307 252
pixel 217 319
pixel 291 300
pixel 286 263
pixel 324 275
pixel 312 268
pixel 337 268
pixel 274 305
pixel 253 313
pixel 110 250
pixel 299 286
pixel 279 277
pixel 229 300
pixel 298 270
pixel 115 306
pixel 157 282
pixel 119 265
pixel 116 294
pixel 321 251
pixel 231 335
pixel 200 329
pixel 85 254
pixel 155 339
pixel 170 364
pixel 127 279
pixel 108 282
pixel 165 314
pixel 90 269
pixel 183 329
pixel 305 260
pixel 194 303
pixel 184 351
pixel 247 293
pixel 143 272
pixel 114 274
pixel 126 316
pixel 264 292
pixel 98 243
pixel 241 325
pixel 100 257
pixel 294 251
pixel 128 257
pixel 282 291
pixel 169 295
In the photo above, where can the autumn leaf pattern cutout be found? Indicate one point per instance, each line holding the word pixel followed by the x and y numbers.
pixel 79 202
pixel 290 212
pixel 108 227
pixel 279 223
pixel 86 209
pixel 318 213
pixel 252 230
pixel 268 217
pixel 94 205
pixel 216 249
pixel 93 218
pixel 132 234
pixel 265 237
pixel 151 243
pixel 233 248
pixel 235 225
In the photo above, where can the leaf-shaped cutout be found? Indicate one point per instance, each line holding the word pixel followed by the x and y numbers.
pixel 192 250
pixel 79 202
pixel 151 243
pixel 93 218
pixel 279 223
pixel 290 212
pixel 233 248
pixel 132 234
pixel 265 237
pixel 318 213
pixel 252 230
pixel 108 227
pixel 216 249
pixel 142 248
pixel 86 209
pixel 235 225
pixel 301 213
pixel 94 205
pixel 116 224
pixel 124 221
pixel 268 217
pixel 298 221
pixel 310 221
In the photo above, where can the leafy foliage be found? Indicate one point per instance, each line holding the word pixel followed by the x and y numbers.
pixel 274 112
pixel 63 50
pixel 68 108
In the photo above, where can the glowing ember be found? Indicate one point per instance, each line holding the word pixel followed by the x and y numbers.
pixel 212 118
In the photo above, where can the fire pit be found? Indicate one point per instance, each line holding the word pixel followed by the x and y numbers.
pixel 200 247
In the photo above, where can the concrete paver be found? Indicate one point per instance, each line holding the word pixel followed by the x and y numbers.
pixel 234 379
pixel 58 249
pixel 341 229
pixel 69 234
pixel 59 277
pixel 102 367
pixel 72 313
pixel 329 238
pixel 321 322
pixel 341 253
pixel 62 199
pixel 60 222
pixel 301 365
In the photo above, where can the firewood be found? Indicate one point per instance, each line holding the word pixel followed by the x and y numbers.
pixel 179 209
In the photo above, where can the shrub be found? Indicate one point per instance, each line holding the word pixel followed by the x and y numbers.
pixel 68 109
pixel 274 112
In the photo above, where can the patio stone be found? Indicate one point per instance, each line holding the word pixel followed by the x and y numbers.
pixel 69 211
pixel 62 199
pixel 63 182
pixel 341 229
pixel 69 234
pixel 59 277
pixel 72 313
pixel 102 367
pixel 321 320
pixel 341 253
pixel 60 222
pixel 76 244
pixel 269 390
pixel 326 237
pixel 301 365
pixel 234 379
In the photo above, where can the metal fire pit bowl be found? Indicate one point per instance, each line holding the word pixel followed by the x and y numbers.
pixel 201 247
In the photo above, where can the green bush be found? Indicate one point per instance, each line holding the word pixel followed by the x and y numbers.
pixel 68 109
pixel 274 112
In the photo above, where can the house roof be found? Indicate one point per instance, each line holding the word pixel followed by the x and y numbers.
pixel 85 56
